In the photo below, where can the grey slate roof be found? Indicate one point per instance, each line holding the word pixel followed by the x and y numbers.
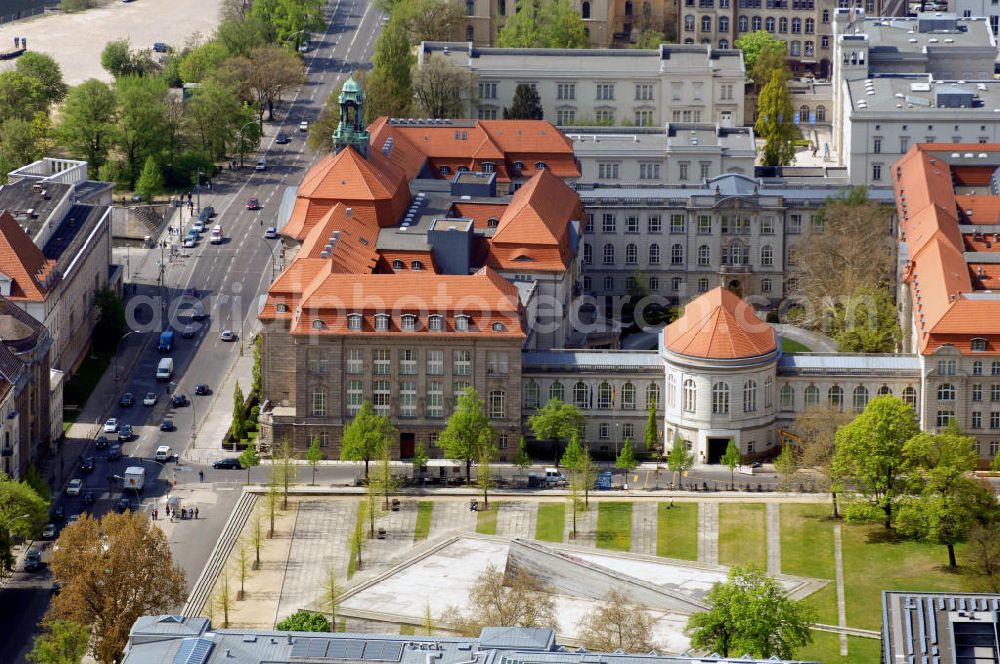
pixel 603 360
pixel 849 364
pixel 940 628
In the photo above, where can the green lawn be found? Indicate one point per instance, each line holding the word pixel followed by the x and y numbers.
pixel 614 526
pixel 407 630
pixel 792 346
pixel 807 550
pixel 826 648
pixel 425 509
pixel 486 520
pixel 742 534
pixel 677 531
pixel 551 522
pixel 78 389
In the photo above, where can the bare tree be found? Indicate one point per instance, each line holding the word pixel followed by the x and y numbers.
pixel 284 471
pixel 484 472
pixel 358 539
pixel 816 429
pixel 332 594
pixel 256 538
pixel 384 480
pixel 983 551
pixel 494 600
pixel 224 598
pixel 243 567
pixel 234 10
pixel 428 620
pixel 264 77
pixel 617 624
pixel 429 20
pixel 443 90
pixel 273 492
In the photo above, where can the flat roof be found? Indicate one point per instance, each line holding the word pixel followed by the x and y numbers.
pixel 849 363
pixel 907 93
pixel 940 627
pixel 891 36
pixel 602 140
pixel 22 196
pixel 598 360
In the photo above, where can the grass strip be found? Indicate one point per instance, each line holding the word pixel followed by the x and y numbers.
pixel 614 526
pixel 550 522
pixel 742 534
pixel 425 510
pixel 486 520
pixel 677 531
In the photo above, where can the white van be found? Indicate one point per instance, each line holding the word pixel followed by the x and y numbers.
pixel 553 477
pixel 165 369
pixel 261 164
pixel 216 236
pixel 163 453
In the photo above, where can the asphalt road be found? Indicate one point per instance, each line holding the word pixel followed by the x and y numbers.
pixel 229 278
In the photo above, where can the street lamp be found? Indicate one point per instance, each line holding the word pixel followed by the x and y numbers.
pixel 240 134
pixel 270 249
pixel 197 189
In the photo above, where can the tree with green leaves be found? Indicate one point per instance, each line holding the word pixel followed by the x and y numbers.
pixel 263 77
pixel 284 470
pixel 199 63
pixel 995 464
pixel 19 145
pixel 581 465
pixel 321 129
pixel 366 437
pixel 384 479
pixel 626 460
pixel 564 26
pixel 214 115
pixel 22 514
pixel 142 128
pixel 524 29
pixel 526 105
pixel 441 89
pixel 21 96
pixel 390 88
pixel 314 455
pixel 762 54
pixel 484 471
pixel 255 376
pixel 256 538
pixel 429 20
pixel 150 182
pixel 239 37
pixel 870 451
pixel 652 432
pixel 752 615
pixel 543 24
pixel 249 458
pixel 238 429
pixel 776 122
pixel 242 568
pixel 304 621
pixel 679 460
pixel 62 642
pixel 468 431
pixel 44 69
pixel 289 19
pixel 556 421
pixel 358 539
pixel 731 459
pixel 522 459
pixel 33 478
pixel 87 121
pixel 116 58
pixel 272 495
pixel 333 593
pixel 786 465
pixel 650 39
pixel 419 459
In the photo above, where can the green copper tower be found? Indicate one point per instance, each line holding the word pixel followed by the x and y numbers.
pixel 351 131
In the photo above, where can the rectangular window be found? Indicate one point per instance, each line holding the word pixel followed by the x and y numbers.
pixel 643 118
pixel 459 387
pixel 655 223
pixel 407 398
pixel 606 91
pixel 876 171
pixel 487 90
pixel 607 171
pixel 643 92
pixel 994 392
pixel 977 420
pixel 727 92
pixel 498 406
pixel 704 224
pixel 435 399
pixel 794 224
pixel 319 363
pixel 632 224
pixel 677 224
pixel 706 168
pixel 628 430
pixel 947 367
pixel 977 392
pixel 317 407
pixel 355 396
pixel 995 421
pixel 589 223
pixel 355 360
pixel 503 442
pixel 435 362
pixel 683 167
pixel 566 91
pixel 877 145
pixel 605 117
pixel 407 362
pixel 767 225
pixel 462 363
pixel 649 171
pixel 765 285
pixel 565 116
pixel 945 417
pixel 382 361
pixel 702 285
pixel 604 431
pixel 496 363
pixel 381 396
pixel 608 223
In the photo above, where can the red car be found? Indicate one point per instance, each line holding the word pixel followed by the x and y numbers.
pixel 253 204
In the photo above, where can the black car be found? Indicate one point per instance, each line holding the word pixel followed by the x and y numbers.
pixel 178 400
pixel 187 332
pixel 125 433
pixel 123 505
pixel 57 514
pixel 227 464
pixel 207 213
pixel 88 498
pixel 167 424
pixel 160 47
pixel 87 465
pixel 282 138
pixel 201 389
pixel 127 400
pixel 190 292
pixel 101 443
pixel 115 452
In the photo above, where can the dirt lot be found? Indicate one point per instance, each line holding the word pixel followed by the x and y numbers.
pixel 76 40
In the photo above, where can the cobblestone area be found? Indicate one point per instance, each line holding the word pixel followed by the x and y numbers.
pixel 644 528
pixel 708 533
pixel 517 519
pixel 452 517
pixel 586 526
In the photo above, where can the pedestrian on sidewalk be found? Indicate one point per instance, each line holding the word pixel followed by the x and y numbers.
pixel 167 510
pixel 196 513
pixel 201 475
pixel 671 503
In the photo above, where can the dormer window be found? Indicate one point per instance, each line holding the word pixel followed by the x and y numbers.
pixel 416 265
pixel 518 165
pixel 381 322
pixel 445 170
pixel 463 169
pixel 499 327
pixel 462 323
pixel 492 222
pixel 434 322
pixel 318 324
pixel 398 265
pixel 353 321
pixel 409 322
pixel 979 344
pixel 489 167
pixel 539 165
pixel 281 308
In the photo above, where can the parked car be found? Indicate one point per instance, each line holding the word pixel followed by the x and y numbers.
pixel 282 138
pixel 160 47
pixel 202 389
pixel 49 532
pixel 261 164
pixel 303 126
pixel 111 425
pixel 125 434
pixel 207 213
pixel 149 399
pixel 127 400
pixel 88 499
pixel 191 241
pixel 198 227
pixel 115 452
pixel 227 464
pixel 271 233
pixel 188 332
pixel 87 465
pixel 253 204
pixel 178 400
pixel 57 514
pixel 123 505
pixel 101 443
pixel 167 424
pixel 74 487
pixel 32 560
pixel 227 335
pixel 73 518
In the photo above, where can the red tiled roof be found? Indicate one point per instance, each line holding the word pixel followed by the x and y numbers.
pixel 22 261
pixel 353 248
pixel 719 325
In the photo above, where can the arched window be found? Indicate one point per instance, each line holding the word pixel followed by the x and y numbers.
pixel 539 165
pixel 812 396
pixel 720 398
pixel 628 396
pixel 835 397
pixel 381 322
pixel 723 43
pixel 723 24
pixel 884 391
pixel 706 23
pixel 826 15
pixel 609 254
pixel 821 113
pixel 398 265
pixel 652 396
pixel 671 391
pixel 318 324
pixel 795 48
pixel 462 323
pixel 744 24
pixel 787 397
pixel 755 22
pixel 796 25
pixel 769 23
pixel 588 253
pixel 445 170
pixel 581 395
pixel 654 254
pixel 604 395
pixel 408 322
pixel 766 255
pixel 586 10
pixel 704 255
pixel 492 222
pixel 416 265
pixel 499 327
pixel 676 254
pixel 557 392
pixel 489 167
pixel 531 394
pixel 737 253
pixel 689 23
pixel 810 26
pixel 860 398
pixel 690 395
pixel 768 392
pixel 946 392
pixel 910 396
pixel 750 396
pixel 631 254
pixel 979 344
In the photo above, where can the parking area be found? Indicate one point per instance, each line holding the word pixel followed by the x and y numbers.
pixel 76 40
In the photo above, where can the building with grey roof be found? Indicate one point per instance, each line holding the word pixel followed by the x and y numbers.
pixel 180 640
pixel 645 87
pixel 940 628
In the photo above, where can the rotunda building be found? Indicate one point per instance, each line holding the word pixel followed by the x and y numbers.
pixel 720 361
